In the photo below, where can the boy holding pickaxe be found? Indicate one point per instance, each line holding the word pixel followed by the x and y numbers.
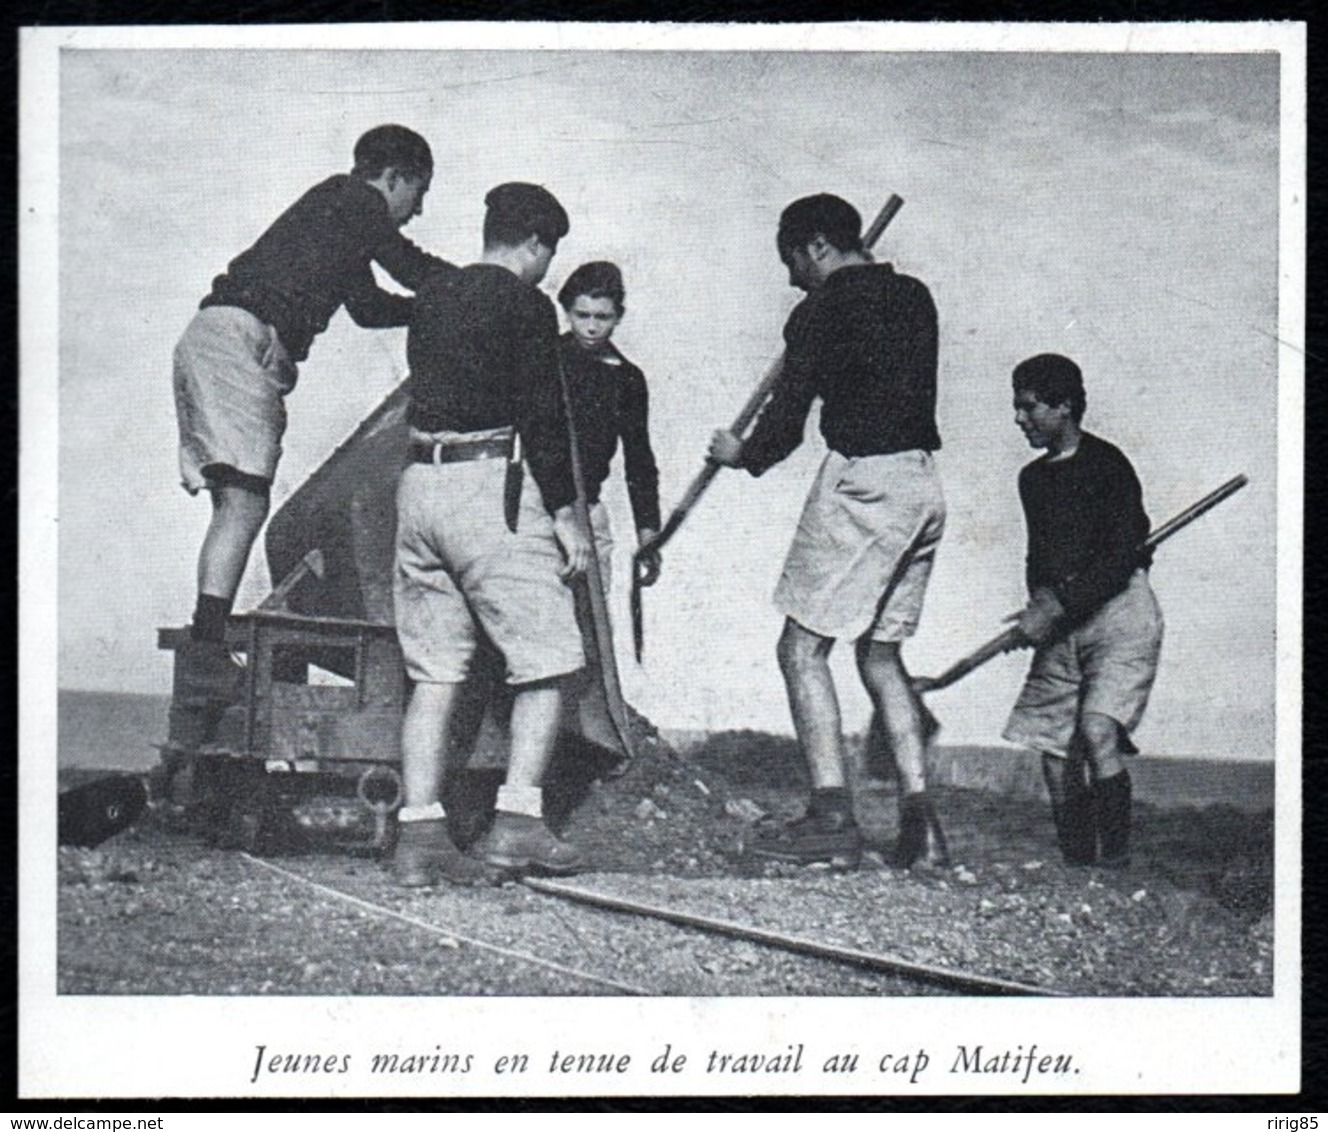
pixel 864 341
pixel 1091 614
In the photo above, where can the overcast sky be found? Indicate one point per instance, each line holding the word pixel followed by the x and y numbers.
pixel 1118 208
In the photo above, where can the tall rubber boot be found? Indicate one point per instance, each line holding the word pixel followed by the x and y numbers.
pixel 1111 814
pixel 1076 831
pixel 920 836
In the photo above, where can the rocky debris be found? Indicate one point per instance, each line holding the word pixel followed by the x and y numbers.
pixel 744 809
pixel 1192 916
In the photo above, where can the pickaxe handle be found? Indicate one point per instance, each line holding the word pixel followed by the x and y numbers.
pixel 1011 638
pixel 741 423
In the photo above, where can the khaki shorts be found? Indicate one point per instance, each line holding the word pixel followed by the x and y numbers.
pixel 232 375
pixel 864 547
pixel 460 571
pixel 1106 666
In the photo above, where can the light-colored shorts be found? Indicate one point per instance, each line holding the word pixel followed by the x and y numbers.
pixel 232 375
pixel 864 547
pixel 460 571
pixel 1106 666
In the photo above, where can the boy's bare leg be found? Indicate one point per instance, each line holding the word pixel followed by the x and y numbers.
pixel 1101 735
pixel 424 851
pixel 425 728
pixel 520 840
pixel 536 714
pixel 887 682
pixel 828 831
pixel 804 660
pixel 237 517
pixel 206 679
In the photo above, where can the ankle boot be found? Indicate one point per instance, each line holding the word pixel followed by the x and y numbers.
pixel 920 836
pixel 1075 830
pixel 425 854
pixel 1111 816
pixel 519 843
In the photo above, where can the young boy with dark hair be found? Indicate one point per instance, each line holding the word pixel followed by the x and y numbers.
pixel 611 403
pixel 1091 614
pixel 237 360
pixel 487 537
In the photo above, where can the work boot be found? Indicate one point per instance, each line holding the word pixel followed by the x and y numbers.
pixel 1111 815
pixel 920 837
pixel 1075 830
pixel 520 843
pixel 817 838
pixel 425 854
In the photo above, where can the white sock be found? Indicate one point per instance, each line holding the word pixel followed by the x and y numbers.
pixel 528 800
pixel 431 812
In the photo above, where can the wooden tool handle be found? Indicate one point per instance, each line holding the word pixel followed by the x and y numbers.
pixel 1011 639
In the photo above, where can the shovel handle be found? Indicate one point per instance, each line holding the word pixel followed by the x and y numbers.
pixel 1012 639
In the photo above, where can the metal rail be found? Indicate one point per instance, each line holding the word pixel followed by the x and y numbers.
pixel 891 964
pixel 447 937
pixel 797 945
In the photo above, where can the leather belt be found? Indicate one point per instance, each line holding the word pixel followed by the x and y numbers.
pixel 460 451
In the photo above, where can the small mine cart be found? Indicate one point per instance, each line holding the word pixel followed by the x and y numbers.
pixel 312 749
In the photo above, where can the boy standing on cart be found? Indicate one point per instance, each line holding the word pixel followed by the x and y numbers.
pixel 1091 614
pixel 236 363
pixel 487 537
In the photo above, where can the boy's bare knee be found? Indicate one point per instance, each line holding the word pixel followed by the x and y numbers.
pixel 1101 733
pixel 799 649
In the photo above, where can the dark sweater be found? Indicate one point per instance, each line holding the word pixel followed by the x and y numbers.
pixel 610 402
pixel 866 343
pixel 316 257
pixel 483 354
pixel 1086 520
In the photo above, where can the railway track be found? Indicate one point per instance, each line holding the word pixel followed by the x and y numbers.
pixel 897 974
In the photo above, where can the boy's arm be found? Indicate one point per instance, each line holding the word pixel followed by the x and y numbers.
pixel 407 263
pixel 779 429
pixel 1109 559
pixel 638 456
pixel 541 419
pixel 372 307
pixel 641 470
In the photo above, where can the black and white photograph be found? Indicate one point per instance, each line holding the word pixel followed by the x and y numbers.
pixel 748 560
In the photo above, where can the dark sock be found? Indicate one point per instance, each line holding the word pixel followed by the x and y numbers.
pixel 210 617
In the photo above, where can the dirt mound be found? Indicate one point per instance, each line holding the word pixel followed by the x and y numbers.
pixel 751 758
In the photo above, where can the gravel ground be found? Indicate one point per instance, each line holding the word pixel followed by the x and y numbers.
pixel 158 912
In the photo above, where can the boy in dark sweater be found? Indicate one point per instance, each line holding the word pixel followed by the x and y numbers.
pixel 610 403
pixel 1091 614
pixel 236 363
pixel 865 342
pixel 487 537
